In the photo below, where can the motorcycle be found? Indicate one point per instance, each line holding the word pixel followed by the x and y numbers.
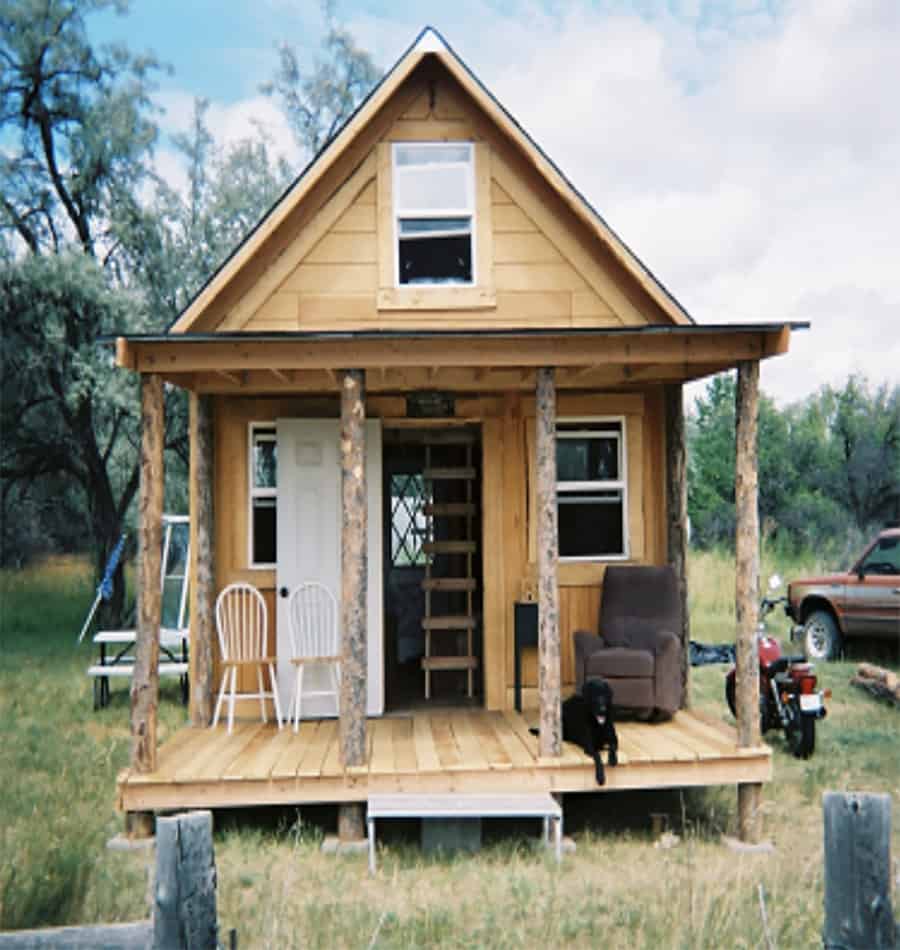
pixel 788 695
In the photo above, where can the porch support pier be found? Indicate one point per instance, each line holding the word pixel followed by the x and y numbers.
pixel 203 574
pixel 747 587
pixel 145 681
pixel 550 738
pixel 676 519
pixel 354 589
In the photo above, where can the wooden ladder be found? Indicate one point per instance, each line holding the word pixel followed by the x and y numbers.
pixel 446 631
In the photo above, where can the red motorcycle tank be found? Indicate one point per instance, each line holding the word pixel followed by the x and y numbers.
pixel 769 650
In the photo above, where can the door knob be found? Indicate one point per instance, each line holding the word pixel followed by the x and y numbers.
pixel 282 592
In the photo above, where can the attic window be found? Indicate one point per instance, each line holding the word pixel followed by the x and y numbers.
pixel 434 213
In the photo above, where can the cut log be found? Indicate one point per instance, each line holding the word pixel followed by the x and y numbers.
pixel 879 682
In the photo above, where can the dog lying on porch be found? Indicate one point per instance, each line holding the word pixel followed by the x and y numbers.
pixel 587 721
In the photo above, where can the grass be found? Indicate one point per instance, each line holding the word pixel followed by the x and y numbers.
pixel 59 760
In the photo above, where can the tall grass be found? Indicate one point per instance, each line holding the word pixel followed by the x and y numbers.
pixel 59 759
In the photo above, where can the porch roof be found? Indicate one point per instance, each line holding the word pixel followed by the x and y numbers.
pixel 453 359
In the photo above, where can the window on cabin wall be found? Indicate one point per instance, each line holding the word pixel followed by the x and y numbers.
pixel 434 213
pixel 591 489
pixel 263 495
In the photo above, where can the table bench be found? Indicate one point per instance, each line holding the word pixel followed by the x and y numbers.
pixel 539 805
pixel 117 659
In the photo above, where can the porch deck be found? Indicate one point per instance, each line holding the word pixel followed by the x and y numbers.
pixel 436 751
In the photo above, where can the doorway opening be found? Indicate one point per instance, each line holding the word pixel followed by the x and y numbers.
pixel 432 566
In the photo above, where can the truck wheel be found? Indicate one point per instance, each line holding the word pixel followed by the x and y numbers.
pixel 821 637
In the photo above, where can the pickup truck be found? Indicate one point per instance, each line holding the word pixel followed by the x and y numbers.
pixel 863 602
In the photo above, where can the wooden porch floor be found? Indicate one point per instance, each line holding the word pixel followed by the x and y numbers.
pixel 435 751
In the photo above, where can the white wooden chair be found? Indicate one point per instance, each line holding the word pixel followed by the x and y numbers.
pixel 242 625
pixel 313 614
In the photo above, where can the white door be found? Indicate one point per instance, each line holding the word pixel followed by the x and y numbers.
pixel 309 544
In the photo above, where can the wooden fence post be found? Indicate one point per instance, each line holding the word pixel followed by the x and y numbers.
pixel 184 913
pixel 145 681
pixel 746 481
pixel 858 914
pixel 550 734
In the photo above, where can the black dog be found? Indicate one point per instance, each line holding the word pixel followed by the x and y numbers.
pixel 587 720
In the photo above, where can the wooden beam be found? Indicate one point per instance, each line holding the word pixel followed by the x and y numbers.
pixel 145 681
pixel 720 348
pixel 203 574
pixel 550 740
pixel 676 518
pixel 747 585
pixel 354 567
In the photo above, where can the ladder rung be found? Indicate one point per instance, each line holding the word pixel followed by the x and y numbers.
pixel 450 583
pixel 450 508
pixel 447 474
pixel 449 662
pixel 451 437
pixel 458 622
pixel 450 547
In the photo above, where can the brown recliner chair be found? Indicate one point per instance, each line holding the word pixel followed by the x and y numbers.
pixel 639 648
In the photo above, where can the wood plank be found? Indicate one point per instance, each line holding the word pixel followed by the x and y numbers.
pixel 630 744
pixel 445 744
pixel 537 277
pixel 341 248
pixel 359 217
pixel 450 547
pixel 404 746
pixel 494 598
pixel 460 622
pixel 427 759
pixel 660 744
pixel 450 583
pixel 522 730
pixel 470 749
pixel 459 473
pixel 180 748
pixel 519 754
pixel 510 217
pixel 288 762
pixel 381 760
pixel 536 306
pixel 704 747
pixel 215 756
pixel 339 279
pixel 492 748
pixel 518 248
pixel 449 662
pixel 331 764
pixel 311 764
pixel 260 758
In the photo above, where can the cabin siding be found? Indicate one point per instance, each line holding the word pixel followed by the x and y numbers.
pixel 529 270
pixel 508 478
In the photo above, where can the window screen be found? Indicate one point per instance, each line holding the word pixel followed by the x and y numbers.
pixel 263 496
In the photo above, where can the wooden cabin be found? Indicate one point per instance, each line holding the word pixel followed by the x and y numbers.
pixel 379 376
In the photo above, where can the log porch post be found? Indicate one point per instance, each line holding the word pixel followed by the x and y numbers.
pixel 550 738
pixel 202 576
pixel 145 681
pixel 747 586
pixel 354 569
pixel 676 516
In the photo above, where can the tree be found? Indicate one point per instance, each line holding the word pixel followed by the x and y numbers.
pixel 77 126
pixel 319 101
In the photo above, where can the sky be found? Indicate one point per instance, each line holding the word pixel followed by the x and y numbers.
pixel 747 150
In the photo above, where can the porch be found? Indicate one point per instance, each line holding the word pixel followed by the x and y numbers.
pixel 434 751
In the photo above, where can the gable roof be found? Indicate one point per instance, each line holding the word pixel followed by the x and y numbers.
pixel 429 42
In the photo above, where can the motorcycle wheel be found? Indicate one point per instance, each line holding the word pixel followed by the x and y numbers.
pixel 729 698
pixel 800 732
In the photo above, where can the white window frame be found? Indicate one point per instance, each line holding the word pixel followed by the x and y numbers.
pixel 428 213
pixel 620 483
pixel 254 430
